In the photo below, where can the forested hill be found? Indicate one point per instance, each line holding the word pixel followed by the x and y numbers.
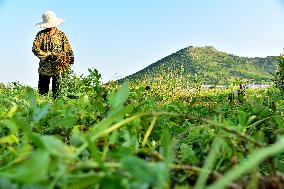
pixel 209 66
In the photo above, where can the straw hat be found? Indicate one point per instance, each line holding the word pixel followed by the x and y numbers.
pixel 49 20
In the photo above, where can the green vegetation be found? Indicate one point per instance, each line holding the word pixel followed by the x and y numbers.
pixel 279 75
pixel 209 66
pixel 139 136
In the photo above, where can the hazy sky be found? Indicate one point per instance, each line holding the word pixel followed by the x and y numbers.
pixel 120 37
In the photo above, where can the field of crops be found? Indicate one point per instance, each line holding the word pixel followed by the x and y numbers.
pixel 140 136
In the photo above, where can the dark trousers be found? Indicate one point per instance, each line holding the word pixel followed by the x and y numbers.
pixel 43 84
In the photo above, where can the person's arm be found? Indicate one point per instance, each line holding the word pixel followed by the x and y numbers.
pixel 68 49
pixel 36 49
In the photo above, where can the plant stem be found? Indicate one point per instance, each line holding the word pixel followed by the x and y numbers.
pixel 157 114
pixel 222 126
pixel 149 130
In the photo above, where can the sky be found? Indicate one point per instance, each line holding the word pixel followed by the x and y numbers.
pixel 121 37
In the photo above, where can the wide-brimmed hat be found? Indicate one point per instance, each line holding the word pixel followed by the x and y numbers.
pixel 49 20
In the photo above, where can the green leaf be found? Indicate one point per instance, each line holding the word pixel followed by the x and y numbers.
pixel 11 124
pixel 280 123
pixel 40 112
pixel 145 175
pixel 251 119
pixel 209 163
pixel 242 118
pixel 117 99
pixel 187 154
pixel 12 110
pixel 10 139
pixel 166 141
pixel 112 117
pixel 113 137
pixel 56 147
pixel 7 184
pixel 84 182
pixel 31 97
pixel 32 170
pixel 118 112
pixel 52 145
pixel 113 181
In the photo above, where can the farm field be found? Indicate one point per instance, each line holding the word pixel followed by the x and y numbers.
pixel 140 135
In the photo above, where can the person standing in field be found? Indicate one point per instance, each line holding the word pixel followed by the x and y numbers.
pixel 54 51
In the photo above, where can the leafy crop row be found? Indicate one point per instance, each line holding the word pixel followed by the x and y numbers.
pixel 139 136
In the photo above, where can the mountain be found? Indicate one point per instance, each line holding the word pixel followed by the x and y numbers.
pixel 209 66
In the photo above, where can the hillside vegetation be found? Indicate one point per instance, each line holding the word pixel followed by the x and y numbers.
pixel 208 66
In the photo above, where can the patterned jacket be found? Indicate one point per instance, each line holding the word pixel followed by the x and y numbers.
pixel 51 50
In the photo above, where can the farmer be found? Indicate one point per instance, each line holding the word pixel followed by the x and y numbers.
pixel 238 94
pixel 52 48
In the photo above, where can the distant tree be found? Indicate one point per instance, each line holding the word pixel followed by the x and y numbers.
pixel 279 74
